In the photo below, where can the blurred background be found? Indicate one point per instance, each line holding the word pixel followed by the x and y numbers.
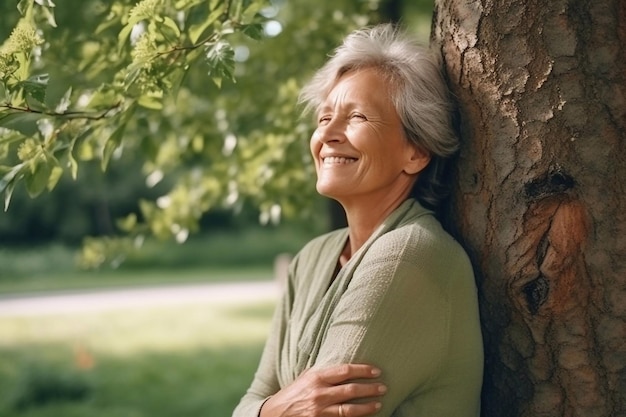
pixel 190 356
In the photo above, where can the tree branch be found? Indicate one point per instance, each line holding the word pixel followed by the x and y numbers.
pixel 67 114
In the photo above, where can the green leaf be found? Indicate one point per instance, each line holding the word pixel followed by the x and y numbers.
pixel 21 121
pixel 167 21
pixel 106 24
pixel 196 31
pixel 25 6
pixel 58 86
pixel 186 4
pixel 253 30
pixel 136 18
pixel 177 77
pixel 55 176
pixel 35 87
pixel 8 193
pixel 123 36
pixel 71 160
pixel 252 8
pixel 73 164
pixel 221 60
pixel 134 71
pixel 9 174
pixel 3 93
pixel 128 223
pixel 65 101
pixel 111 145
pixel 38 179
pixel 8 137
pixel 104 98
pixel 39 79
pixel 49 14
pixel 192 56
pixel 115 140
pixel 8 181
pixel 215 3
pixel 45 3
pixel 150 102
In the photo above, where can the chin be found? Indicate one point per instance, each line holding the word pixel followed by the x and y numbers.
pixel 326 190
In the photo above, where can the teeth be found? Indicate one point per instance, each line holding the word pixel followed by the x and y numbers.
pixel 337 160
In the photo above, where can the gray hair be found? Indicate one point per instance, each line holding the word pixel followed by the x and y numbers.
pixel 419 94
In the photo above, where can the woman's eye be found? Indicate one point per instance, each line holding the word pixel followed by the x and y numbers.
pixel 323 120
pixel 358 116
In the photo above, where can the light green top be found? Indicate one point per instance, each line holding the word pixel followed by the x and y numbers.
pixel 406 302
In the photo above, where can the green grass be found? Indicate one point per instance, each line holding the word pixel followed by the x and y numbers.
pixel 75 280
pixel 192 360
pixel 224 256
pixel 160 362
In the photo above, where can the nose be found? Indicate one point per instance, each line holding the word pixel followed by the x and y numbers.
pixel 332 131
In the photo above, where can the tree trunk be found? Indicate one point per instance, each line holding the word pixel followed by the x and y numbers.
pixel 540 200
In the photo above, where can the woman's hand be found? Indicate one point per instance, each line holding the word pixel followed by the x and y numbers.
pixel 328 393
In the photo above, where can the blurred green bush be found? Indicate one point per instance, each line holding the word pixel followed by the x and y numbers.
pixel 40 384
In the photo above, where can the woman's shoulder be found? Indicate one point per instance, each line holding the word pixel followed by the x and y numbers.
pixel 418 255
pixel 418 241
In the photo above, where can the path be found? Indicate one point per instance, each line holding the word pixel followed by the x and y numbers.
pixel 109 299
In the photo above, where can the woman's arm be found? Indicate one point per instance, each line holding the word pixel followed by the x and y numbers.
pixel 316 392
pixel 328 392
pixel 403 305
pixel 265 382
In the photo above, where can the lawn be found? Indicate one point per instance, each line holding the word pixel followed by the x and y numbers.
pixel 194 360
pixel 71 280
pixel 176 361
pixel 221 256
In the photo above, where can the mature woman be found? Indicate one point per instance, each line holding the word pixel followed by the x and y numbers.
pixel 381 317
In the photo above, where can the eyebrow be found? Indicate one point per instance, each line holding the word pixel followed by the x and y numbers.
pixel 349 104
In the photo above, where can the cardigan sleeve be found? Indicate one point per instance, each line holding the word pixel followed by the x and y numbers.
pixel 265 382
pixel 405 299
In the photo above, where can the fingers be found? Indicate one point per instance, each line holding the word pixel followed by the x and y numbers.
pixel 319 392
pixel 349 382
pixel 345 372
pixel 357 410
pixel 350 391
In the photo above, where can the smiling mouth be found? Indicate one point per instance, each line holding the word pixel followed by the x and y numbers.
pixel 337 160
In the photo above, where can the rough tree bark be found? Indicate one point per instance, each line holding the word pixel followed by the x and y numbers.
pixel 541 201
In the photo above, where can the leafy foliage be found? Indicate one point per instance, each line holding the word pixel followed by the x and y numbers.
pixel 156 79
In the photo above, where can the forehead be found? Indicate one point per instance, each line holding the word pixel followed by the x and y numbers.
pixel 364 86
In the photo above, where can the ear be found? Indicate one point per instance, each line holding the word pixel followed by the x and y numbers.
pixel 418 159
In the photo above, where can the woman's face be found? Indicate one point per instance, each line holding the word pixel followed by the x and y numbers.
pixel 359 147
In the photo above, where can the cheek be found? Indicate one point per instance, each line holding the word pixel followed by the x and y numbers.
pixel 314 143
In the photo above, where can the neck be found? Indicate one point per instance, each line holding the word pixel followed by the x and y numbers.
pixel 363 220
